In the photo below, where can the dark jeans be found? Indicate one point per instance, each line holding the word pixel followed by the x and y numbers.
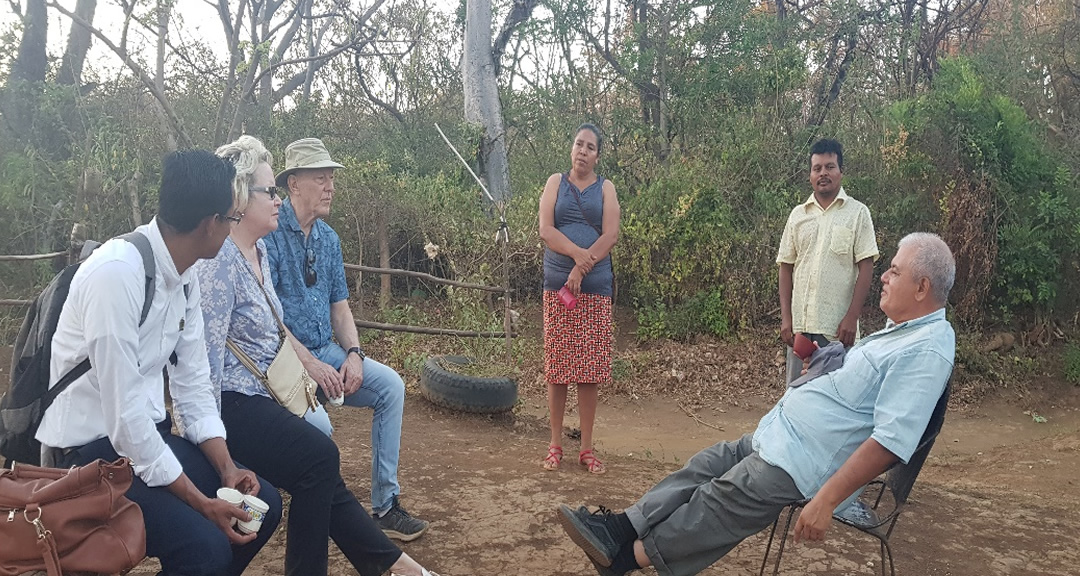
pixel 304 462
pixel 186 542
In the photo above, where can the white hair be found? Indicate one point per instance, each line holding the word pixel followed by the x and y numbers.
pixel 246 154
pixel 932 260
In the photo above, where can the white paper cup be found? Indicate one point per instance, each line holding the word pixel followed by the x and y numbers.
pixel 232 496
pixel 257 508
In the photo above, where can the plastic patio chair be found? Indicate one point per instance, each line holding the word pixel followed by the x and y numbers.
pixel 876 518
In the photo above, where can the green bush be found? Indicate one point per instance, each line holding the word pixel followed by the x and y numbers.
pixel 1071 363
pixel 704 313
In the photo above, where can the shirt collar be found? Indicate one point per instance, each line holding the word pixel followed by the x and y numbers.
pixel 841 197
pixel 934 316
pixel 287 217
pixel 166 268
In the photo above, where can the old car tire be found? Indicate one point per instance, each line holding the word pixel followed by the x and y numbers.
pixel 457 391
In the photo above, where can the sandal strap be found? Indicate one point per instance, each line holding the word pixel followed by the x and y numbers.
pixel 554 454
pixel 588 458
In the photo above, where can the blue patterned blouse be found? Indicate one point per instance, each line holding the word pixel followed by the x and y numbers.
pixel 233 305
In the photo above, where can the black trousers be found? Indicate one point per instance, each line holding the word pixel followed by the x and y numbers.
pixel 186 542
pixel 298 458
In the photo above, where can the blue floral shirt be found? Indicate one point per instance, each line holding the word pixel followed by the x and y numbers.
pixel 307 308
pixel 234 306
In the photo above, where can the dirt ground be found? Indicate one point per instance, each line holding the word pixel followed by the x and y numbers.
pixel 997 496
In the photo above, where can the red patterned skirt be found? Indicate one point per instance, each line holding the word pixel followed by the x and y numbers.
pixel 578 342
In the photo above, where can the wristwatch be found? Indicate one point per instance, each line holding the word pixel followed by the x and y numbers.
pixel 356 350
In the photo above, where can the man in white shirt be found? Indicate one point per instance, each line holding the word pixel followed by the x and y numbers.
pixel 118 407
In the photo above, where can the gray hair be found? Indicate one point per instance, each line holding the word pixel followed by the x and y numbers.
pixel 246 154
pixel 932 260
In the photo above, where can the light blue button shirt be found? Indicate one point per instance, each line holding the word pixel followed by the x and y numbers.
pixel 886 390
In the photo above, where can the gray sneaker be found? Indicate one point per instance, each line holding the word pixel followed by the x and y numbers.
pixel 399 525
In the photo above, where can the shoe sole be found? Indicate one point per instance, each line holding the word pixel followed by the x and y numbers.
pixel 602 570
pixel 581 536
pixel 403 537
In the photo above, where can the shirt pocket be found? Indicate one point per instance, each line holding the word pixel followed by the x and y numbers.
pixel 854 382
pixel 842 241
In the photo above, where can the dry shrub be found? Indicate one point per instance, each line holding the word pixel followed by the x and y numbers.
pixel 970 229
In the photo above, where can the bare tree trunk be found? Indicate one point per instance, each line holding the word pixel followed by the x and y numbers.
pixel 30 63
pixel 482 105
pixel 164 10
pixel 22 93
pixel 173 125
pixel 312 51
pixel 79 39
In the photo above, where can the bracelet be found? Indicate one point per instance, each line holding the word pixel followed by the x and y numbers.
pixel 356 350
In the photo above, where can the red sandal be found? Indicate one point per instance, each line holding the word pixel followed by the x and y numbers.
pixel 553 458
pixel 588 459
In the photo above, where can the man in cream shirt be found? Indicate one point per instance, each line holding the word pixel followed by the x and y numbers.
pixel 117 408
pixel 826 258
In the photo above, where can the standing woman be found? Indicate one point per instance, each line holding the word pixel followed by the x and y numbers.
pixel 239 303
pixel 579 224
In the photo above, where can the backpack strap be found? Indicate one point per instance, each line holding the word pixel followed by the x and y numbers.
pixel 142 244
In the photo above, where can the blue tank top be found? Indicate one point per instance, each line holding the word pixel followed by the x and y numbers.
pixel 576 226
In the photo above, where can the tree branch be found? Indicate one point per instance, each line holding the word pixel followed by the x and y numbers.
pixel 375 99
pixel 646 87
pixel 519 14
pixel 159 95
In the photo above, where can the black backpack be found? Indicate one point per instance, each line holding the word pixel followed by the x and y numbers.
pixel 29 395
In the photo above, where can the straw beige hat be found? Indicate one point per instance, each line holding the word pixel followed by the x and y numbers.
pixel 304 153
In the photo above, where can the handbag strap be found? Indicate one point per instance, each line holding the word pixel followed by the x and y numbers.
pixel 242 356
pixel 269 302
pixel 247 362
pixel 45 542
pixel 47 545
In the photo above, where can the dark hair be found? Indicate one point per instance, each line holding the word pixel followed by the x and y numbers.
pixel 596 132
pixel 194 184
pixel 829 146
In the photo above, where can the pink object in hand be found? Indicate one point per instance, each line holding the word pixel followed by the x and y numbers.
pixel 804 346
pixel 567 298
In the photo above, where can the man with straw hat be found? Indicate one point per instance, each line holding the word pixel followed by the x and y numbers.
pixel 309 277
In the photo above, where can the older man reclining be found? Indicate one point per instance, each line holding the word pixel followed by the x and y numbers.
pixel 823 440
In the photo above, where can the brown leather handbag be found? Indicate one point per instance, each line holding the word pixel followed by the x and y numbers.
pixel 74 520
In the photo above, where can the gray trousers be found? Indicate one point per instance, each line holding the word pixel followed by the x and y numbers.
pixel 794 366
pixel 695 516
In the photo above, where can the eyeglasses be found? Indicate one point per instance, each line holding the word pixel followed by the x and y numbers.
pixel 310 275
pixel 273 191
pixel 233 219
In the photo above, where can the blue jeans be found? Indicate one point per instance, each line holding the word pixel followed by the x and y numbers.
pixel 186 542
pixel 383 391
